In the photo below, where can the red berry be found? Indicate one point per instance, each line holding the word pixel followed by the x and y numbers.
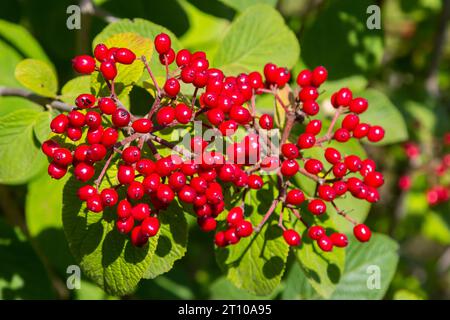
pixel 350 122
pixel 125 56
pixel 96 152
pixel 244 229
pixel 109 197
pixel 124 209
pixel 165 115
pixel 215 116
pixel 76 119
pixel 374 179
pixel 93 119
pixel 319 76
pixel 59 123
pixel 231 236
pixel 291 237
pixel 353 163
pixel 361 130
pixel 83 64
pixel 94 203
pixel 107 105
pixel 317 207
pixel 183 113
pixel 311 107
pixel 344 97
pixel 255 181
pixel 235 216
pixel 255 80
pixel 101 52
pixel 109 137
pixel 313 166
pixel 295 197
pixel 304 78
pixel 240 114
pixel 183 57
pixel 151 182
pixel 142 125
pixel 207 224
pixel 55 171
pixel 306 140
pixel 340 187
pixel 266 122
pixel 168 57
pixel 314 127
pixel 138 239
pixel 326 192
pixel 49 147
pixel 125 226
pixel 108 69
pixel 219 239
pixel 316 232
pixel 140 211
pixel 362 232
pixel 339 240
pixel 270 72
pixel 125 174
pixel 172 87
pixel 375 134
pixel 165 193
pixel 177 180
pixel 135 190
pixel 289 168
pixel 289 150
pixel 62 157
pixel 86 192
pixel 341 135
pixel 339 170
pixel 84 172
pixel 95 135
pixel 282 77
pixel 145 166
pixel 121 118
pixel 332 155
pixel 325 243
pixel 150 226
pixel 358 105
pixel 187 194
pixel 162 43
pixel 308 94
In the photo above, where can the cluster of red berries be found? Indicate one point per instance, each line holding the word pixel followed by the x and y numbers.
pixel 147 183
pixel 108 57
pixel 238 228
pixel 436 170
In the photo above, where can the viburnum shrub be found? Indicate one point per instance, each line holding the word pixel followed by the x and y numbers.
pixel 100 133
pixel 435 164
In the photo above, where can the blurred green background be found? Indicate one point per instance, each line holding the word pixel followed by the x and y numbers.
pixel 408 60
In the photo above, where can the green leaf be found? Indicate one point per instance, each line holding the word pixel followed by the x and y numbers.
pixel 23 41
pixel 258 34
pixel 11 104
pixel 9 58
pixel 382 112
pixel 365 262
pixel 339 39
pixel 37 76
pixel 195 38
pixel 223 289
pixel 241 5
pixel 127 75
pixel 22 275
pixel 256 264
pixel 172 241
pixel 21 132
pixel 74 87
pixel 148 30
pixel 322 269
pixel 297 285
pixel 107 257
pixel 43 209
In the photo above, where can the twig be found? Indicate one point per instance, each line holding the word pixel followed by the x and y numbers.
pixel 267 215
pixel 158 90
pixel 88 7
pixel 342 213
pixel 329 135
pixel 43 101
pixel 98 181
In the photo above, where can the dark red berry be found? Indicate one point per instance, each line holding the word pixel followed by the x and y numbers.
pixel 291 237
